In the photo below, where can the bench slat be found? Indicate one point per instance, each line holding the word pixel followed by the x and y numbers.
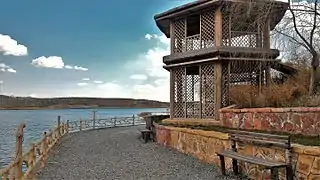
pixel 264 135
pixel 145 130
pixel 259 142
pixel 283 141
pixel 251 159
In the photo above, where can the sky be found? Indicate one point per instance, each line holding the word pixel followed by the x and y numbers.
pixel 83 48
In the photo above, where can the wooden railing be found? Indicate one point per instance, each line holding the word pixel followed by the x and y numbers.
pixel 35 157
pixel 37 154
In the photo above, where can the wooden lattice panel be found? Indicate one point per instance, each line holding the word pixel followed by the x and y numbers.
pixel 208 90
pixel 225 29
pixel 244 72
pixel 243 39
pixel 178 106
pixel 192 104
pixel 207 29
pixel 179 35
pixel 193 43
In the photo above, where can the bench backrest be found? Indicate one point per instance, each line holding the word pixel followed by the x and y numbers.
pixel 149 123
pixel 262 139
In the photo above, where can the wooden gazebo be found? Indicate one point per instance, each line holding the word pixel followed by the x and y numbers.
pixel 216 44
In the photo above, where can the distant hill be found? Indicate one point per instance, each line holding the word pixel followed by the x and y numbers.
pixel 10 102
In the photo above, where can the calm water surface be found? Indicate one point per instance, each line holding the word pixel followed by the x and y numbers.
pixel 38 121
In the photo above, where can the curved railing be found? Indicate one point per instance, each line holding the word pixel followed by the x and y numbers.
pixel 24 166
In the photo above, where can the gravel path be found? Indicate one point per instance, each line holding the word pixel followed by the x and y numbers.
pixel 116 153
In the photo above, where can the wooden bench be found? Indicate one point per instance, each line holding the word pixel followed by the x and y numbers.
pixel 258 139
pixel 148 133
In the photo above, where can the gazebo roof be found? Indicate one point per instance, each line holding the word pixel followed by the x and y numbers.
pixel 163 19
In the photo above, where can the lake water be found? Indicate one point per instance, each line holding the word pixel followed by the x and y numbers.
pixel 38 121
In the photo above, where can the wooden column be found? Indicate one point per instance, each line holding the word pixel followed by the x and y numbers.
pixel 172 37
pixel 266 35
pixel 171 94
pixel 266 45
pixel 218 64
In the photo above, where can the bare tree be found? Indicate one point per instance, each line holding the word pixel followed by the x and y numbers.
pixel 300 28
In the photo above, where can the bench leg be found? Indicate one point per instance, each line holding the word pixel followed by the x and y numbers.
pixel 143 135
pixel 222 164
pixel 289 173
pixel 274 174
pixel 235 167
pixel 146 137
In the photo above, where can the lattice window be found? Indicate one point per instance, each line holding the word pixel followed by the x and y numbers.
pixel 179 36
pixel 207 29
pixel 208 90
pixel 178 106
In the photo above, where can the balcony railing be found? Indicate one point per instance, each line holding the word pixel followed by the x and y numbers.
pixel 191 43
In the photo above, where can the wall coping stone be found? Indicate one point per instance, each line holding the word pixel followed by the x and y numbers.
pixel 270 110
pixel 213 134
pixel 188 121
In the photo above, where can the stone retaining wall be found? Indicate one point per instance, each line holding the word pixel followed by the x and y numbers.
pixel 204 145
pixel 295 120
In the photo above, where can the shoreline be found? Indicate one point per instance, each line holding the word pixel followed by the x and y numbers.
pixel 77 107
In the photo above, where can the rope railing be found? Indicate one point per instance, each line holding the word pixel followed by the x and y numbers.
pixel 24 166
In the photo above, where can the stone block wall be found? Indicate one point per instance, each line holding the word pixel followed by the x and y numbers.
pixel 204 145
pixel 294 120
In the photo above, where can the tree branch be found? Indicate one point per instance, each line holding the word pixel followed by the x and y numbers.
pixel 314 22
pixel 296 29
pixel 293 39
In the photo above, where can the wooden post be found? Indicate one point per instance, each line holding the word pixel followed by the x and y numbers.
pixel 218 65
pixel 62 128
pixel 67 128
pixel 44 148
pixel 80 124
pixel 18 154
pixel 133 119
pixel 59 127
pixel 31 161
pixel 94 119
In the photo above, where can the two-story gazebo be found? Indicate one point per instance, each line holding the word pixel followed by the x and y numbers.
pixel 216 44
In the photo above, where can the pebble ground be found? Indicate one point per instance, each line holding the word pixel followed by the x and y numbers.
pixel 117 153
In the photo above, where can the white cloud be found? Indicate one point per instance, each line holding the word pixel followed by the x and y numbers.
pixel 85 79
pixel 6 68
pixel 98 82
pixel 54 62
pixel 82 84
pixel 11 70
pixel 138 77
pixel 68 67
pixel 48 62
pixel 80 68
pixel 148 36
pixel 9 46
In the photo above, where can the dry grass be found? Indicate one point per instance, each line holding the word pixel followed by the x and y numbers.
pixel 292 93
